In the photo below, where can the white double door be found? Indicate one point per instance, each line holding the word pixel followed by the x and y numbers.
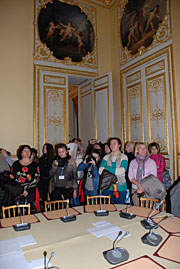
pixel 51 108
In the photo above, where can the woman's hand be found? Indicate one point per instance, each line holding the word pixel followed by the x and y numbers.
pixel 55 162
pixel 74 194
pixel 92 162
pixel 25 193
pixel 140 188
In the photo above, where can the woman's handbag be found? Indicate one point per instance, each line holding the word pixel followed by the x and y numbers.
pixel 166 179
pixel 106 180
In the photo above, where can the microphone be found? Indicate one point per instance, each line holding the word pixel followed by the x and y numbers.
pixel 151 238
pixel 22 226
pixel 126 214
pixel 148 223
pixel 101 212
pixel 52 255
pixel 46 266
pixel 116 255
pixel 67 218
pixel 45 255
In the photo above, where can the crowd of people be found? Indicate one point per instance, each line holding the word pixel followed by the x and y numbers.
pixel 71 172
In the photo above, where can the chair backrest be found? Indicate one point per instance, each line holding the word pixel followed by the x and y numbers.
pixel 55 205
pixel 151 203
pixel 15 210
pixel 98 199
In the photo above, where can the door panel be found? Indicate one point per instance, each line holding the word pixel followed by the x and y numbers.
pixel 51 103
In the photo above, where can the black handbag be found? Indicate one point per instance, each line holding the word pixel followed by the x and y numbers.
pixel 106 180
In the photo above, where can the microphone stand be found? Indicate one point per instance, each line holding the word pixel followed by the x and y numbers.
pixel 116 255
pixel 101 212
pixel 151 238
pixel 126 214
pixel 22 226
pixel 148 223
pixel 67 218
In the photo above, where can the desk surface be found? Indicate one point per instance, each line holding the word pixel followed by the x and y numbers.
pixel 75 247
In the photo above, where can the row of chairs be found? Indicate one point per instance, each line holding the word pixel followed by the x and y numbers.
pixel 14 210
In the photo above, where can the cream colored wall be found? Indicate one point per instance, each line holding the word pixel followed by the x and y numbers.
pixel 175 19
pixel 16 73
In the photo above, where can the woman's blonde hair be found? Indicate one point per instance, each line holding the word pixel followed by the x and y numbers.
pixel 137 145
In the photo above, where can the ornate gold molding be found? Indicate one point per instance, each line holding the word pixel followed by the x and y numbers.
pixel 42 52
pixel 162 35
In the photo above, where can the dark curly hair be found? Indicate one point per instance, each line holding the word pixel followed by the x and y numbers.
pixel 20 150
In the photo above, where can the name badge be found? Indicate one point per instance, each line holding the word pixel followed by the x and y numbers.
pixel 61 177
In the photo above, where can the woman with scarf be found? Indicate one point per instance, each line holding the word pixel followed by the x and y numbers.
pixel 64 174
pixel 139 168
pixel 116 163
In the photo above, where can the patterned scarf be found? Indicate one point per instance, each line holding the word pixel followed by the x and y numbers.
pixel 141 160
pixel 121 178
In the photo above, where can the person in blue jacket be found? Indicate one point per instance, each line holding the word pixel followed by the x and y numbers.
pixel 90 167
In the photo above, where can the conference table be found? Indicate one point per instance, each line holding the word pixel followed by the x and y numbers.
pixel 75 247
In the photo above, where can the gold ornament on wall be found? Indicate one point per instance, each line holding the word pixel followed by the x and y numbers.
pixel 135 118
pixel 157 114
pixel 55 121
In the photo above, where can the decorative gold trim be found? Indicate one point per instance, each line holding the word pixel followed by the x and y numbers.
pixel 41 52
pixel 158 112
pixel 81 89
pixel 56 77
pixel 46 88
pixel 131 75
pixel 123 108
pixel 165 51
pixel 136 116
pixel 96 79
pixel 95 112
pixel 66 71
pixel 162 67
pixel 34 111
pixel 175 108
pixel 38 112
pixel 106 3
pixel 162 35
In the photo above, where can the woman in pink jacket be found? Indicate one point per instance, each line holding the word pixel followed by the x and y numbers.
pixel 154 150
pixel 139 168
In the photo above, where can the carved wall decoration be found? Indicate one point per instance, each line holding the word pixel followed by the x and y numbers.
pixel 157 118
pixel 135 113
pixel 157 107
pixel 55 114
pixel 143 25
pixel 63 38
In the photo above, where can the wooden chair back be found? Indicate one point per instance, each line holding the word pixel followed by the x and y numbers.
pixel 97 199
pixel 56 205
pixel 15 210
pixel 151 203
